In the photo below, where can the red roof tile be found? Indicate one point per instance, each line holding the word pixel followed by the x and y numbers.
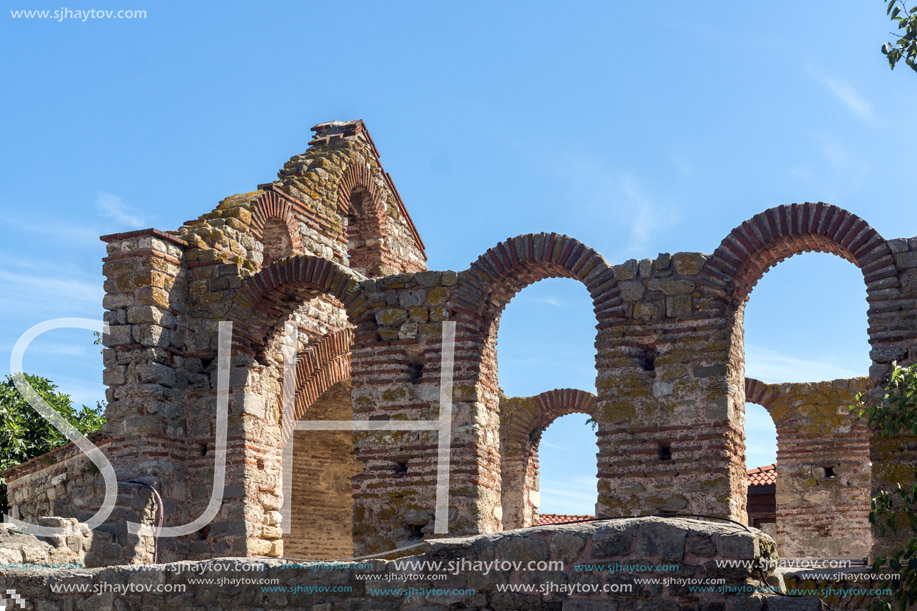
pixel 760 476
pixel 763 476
pixel 547 519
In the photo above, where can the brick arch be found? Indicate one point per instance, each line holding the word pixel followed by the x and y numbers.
pixel 267 298
pixel 489 284
pixel 767 238
pixel 318 368
pixel 271 206
pixel 360 200
pixel 545 409
pixel 522 422
pixel 360 177
pixel 768 397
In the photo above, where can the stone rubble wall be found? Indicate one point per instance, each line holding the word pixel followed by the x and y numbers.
pixel 693 546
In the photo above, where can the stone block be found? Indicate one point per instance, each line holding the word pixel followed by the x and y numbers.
pixel 118 335
pixel 688 263
pixel 658 538
pixel 678 305
pixel 613 540
pixel 671 286
pixel 632 290
pixel 739 545
pixel 626 271
pixel 391 316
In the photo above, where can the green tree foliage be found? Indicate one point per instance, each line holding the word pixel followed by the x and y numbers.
pixel 896 414
pixel 24 434
pixel 906 46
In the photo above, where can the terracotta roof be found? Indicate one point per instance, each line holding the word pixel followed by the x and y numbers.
pixel 760 476
pixel 547 519
pixel 763 476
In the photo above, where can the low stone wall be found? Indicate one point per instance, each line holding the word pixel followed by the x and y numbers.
pixel 18 549
pixel 64 487
pixel 570 567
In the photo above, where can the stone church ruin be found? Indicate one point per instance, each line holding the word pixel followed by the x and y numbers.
pixel 330 248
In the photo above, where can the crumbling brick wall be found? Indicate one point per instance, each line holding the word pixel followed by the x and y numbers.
pixel 823 470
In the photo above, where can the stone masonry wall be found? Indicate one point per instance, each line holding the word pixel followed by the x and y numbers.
pixel 65 482
pixel 695 548
pixel 823 470
pixel 893 324
pixel 330 248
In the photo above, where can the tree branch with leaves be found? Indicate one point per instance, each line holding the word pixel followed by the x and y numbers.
pixel 895 415
pixel 905 47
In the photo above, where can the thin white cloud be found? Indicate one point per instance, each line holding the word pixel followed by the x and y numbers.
pixel 683 167
pixel 772 367
pixel 647 216
pixel 29 291
pixel 551 301
pixel 621 197
pixel 116 209
pixel 60 230
pixel 847 95
pixel 834 150
pixel 575 496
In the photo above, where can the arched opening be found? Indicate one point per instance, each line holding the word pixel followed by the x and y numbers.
pixel 363 233
pixel 314 296
pixel 561 355
pixel 490 284
pixel 818 513
pixel 571 451
pixel 276 241
pixel 761 464
pixel 806 323
pixel 323 465
pixel 567 472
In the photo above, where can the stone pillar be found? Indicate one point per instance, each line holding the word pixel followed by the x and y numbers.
pixel 144 374
pixel 670 417
pixel 396 377
pixel 893 337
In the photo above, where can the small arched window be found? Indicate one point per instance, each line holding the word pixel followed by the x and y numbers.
pixel 365 241
pixel 276 241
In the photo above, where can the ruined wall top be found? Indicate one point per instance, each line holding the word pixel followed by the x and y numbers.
pixel 335 201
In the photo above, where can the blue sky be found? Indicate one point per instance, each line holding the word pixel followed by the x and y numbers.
pixel 635 128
